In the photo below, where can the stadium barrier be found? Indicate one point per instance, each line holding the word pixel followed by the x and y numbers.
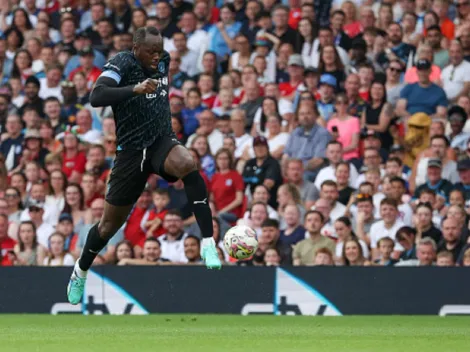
pixel 241 290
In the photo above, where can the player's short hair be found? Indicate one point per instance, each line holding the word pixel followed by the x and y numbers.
pixel 270 223
pixel 142 32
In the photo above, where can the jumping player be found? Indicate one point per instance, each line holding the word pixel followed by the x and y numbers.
pixel 135 84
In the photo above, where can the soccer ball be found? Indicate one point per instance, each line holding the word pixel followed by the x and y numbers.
pixel 240 242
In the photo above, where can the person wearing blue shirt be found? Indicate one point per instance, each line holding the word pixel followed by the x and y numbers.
pixel 221 36
pixel 423 96
pixel 191 111
pixel 308 141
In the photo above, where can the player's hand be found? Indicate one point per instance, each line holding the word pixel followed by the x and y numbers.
pixel 147 86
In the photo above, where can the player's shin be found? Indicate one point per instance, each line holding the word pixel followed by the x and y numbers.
pixel 196 192
pixel 93 245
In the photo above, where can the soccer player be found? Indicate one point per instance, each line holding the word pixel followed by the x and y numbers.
pixel 135 84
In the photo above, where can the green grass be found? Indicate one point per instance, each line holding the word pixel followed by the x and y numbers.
pixel 210 333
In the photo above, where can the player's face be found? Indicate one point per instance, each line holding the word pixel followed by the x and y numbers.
pixel 150 52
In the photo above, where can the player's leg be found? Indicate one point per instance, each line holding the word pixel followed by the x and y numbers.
pixel 127 181
pixel 179 163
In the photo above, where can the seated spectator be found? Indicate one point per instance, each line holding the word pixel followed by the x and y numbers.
pixel 123 251
pixel 270 238
pixel 387 227
pixel 272 257
pixel 201 144
pixel 261 194
pixel 65 227
pixel 288 194
pixel 424 52
pixel 425 253
pixel 258 213
pixel 28 252
pixel 237 125
pixel 326 102
pixel 192 250
pixel 151 254
pixel 423 96
pixel 207 128
pixel 364 217
pixel 456 76
pixel 329 192
pixel 424 225
pixel 15 205
pixel 74 160
pixel 458 138
pixel 294 231
pixel 345 128
pixel 324 257
pixel 294 174
pixel 342 175
pixel 308 142
pixel 434 181
pixel 57 256
pixel 227 188
pixel 463 168
pixel 43 229
pixel 466 258
pixel 451 240
pixel 385 246
pixel 191 111
pixel 343 232
pixel 263 169
pixel 153 220
pixel 352 254
pixel 406 237
pixel 304 252
pixel 445 258
pixel 405 212
pixel 172 242
pixel 7 244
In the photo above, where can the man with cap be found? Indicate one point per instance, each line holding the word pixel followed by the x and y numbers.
pixel 463 167
pixel 263 169
pixel 92 72
pixel 65 227
pixel 434 181
pixel 423 96
pixel 296 76
pixel 326 103
pixel 32 99
pixel 457 118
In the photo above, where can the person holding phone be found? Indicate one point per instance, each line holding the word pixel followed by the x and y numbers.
pixel 345 128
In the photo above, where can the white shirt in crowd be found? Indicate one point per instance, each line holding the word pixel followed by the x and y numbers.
pixel 189 63
pixel 454 78
pixel 337 212
pixel 340 245
pixel 449 172
pixel 173 250
pixel 273 144
pixel 328 173
pixel 241 143
pixel 215 139
pixel 362 178
pixel 43 233
pixel 66 261
pixel 405 214
pixel 46 92
pixel 379 231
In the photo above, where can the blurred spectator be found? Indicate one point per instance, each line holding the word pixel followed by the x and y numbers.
pixel 352 254
pixel 445 258
pixel 192 250
pixel 7 244
pixel 28 251
pixel 425 253
pixel 385 248
pixel 57 256
pixel 151 254
pixel 172 242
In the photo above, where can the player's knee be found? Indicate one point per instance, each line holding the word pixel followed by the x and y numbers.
pixel 107 229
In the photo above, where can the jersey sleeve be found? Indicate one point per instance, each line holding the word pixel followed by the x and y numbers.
pixel 117 67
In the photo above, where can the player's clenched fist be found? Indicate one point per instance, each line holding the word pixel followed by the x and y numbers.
pixel 147 86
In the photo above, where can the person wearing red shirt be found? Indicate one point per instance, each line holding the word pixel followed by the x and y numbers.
pixel 154 221
pixel 296 73
pixel 7 244
pixel 87 56
pixel 73 160
pixel 227 187
pixel 294 14
pixel 206 86
pixel 133 231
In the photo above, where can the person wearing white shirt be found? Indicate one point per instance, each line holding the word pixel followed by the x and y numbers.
pixel 334 152
pixel 189 58
pixel 207 128
pixel 326 37
pixel 405 212
pixel 456 77
pixel 237 124
pixel 50 85
pixel 329 191
pixel 43 229
pixel 172 242
pixel 387 227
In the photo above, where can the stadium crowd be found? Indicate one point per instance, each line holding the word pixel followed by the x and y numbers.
pixel 338 130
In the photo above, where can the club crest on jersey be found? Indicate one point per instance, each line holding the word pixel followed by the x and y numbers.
pixel 161 67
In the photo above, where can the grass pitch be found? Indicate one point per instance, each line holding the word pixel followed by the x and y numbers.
pixel 216 333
